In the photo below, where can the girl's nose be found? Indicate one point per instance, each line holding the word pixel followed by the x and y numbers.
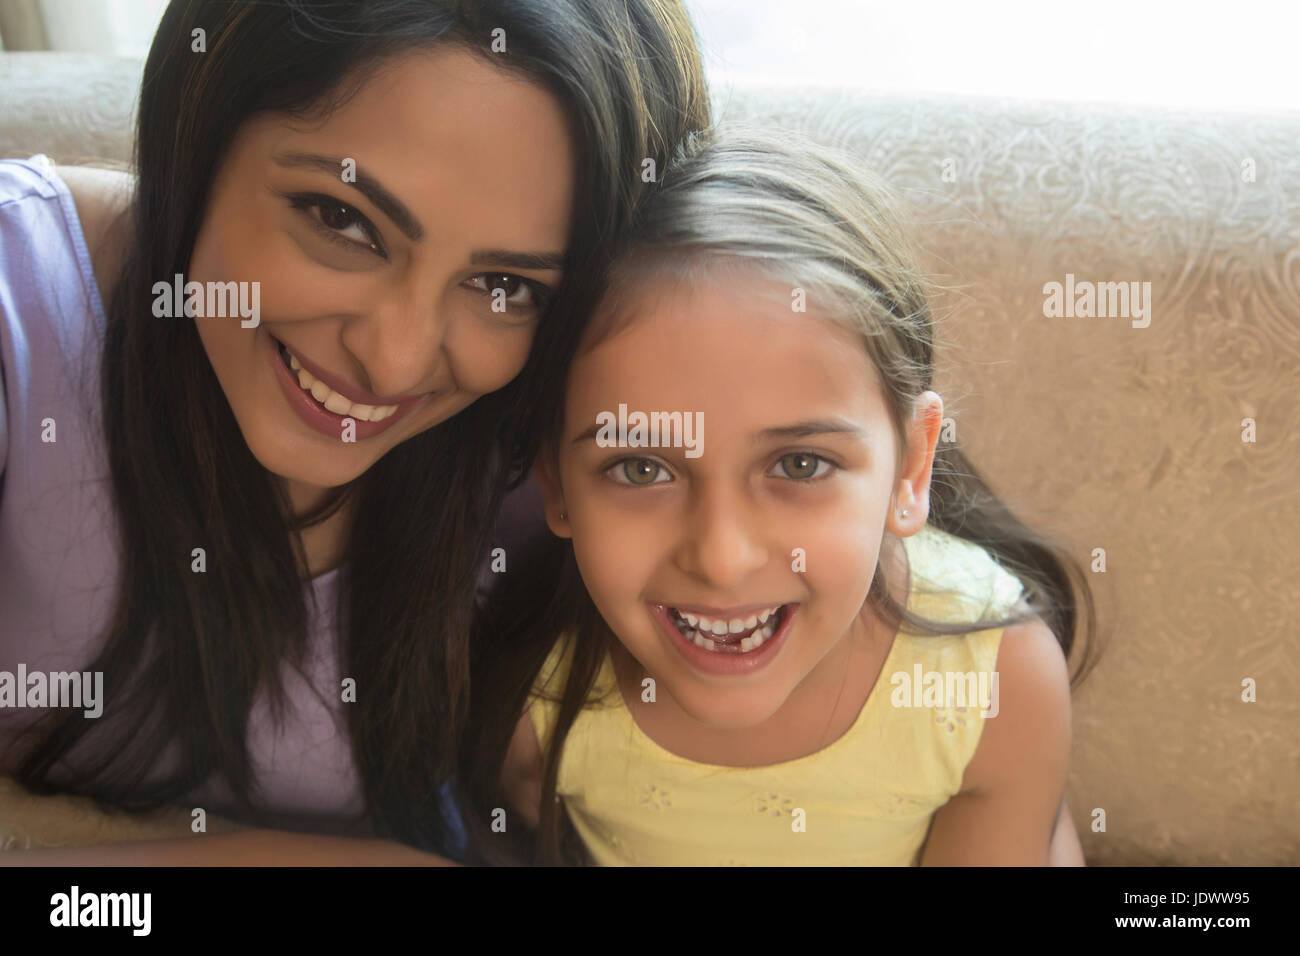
pixel 722 543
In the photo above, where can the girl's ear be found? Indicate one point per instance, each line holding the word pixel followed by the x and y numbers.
pixel 912 492
pixel 547 470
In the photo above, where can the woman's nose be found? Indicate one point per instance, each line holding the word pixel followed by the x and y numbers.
pixel 399 344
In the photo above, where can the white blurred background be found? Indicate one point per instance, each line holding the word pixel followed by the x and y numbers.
pixel 1195 53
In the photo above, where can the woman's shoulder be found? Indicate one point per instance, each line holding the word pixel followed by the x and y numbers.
pixel 102 198
pixel 63 225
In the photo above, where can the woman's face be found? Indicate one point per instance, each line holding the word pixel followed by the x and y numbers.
pixel 404 249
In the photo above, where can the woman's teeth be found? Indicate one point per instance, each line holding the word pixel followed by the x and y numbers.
pixel 331 399
pixel 730 635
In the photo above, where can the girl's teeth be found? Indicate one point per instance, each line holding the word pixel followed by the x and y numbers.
pixel 698 630
pixel 335 402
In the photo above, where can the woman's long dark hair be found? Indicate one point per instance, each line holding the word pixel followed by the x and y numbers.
pixel 186 654
pixel 798 212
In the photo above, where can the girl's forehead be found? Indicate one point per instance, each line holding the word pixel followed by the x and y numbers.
pixel 737 308
pixel 734 348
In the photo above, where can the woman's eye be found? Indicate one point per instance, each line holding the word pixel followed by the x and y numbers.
pixel 510 289
pixel 638 471
pixel 338 221
pixel 802 465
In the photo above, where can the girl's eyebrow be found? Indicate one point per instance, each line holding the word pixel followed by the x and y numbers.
pixel 822 426
pixel 396 210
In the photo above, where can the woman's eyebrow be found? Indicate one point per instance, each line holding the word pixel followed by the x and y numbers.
pixel 367 185
pixel 505 259
pixel 396 210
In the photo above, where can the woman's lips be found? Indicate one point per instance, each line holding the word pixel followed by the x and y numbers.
pixel 318 417
pixel 353 393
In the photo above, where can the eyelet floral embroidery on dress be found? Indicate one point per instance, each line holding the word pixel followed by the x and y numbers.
pixel 895 805
pixel 628 853
pixel 950 718
pixel 654 797
pixel 773 805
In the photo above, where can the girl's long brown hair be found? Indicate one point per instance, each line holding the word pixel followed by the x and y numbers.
pixel 185 655
pixel 810 215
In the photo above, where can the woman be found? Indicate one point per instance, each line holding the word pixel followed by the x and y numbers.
pixel 259 504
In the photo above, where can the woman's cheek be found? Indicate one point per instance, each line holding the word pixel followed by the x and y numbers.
pixel 484 359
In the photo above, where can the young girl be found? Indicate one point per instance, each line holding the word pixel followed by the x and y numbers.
pixel 776 563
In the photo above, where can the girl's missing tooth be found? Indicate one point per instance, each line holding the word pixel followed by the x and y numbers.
pixel 749 656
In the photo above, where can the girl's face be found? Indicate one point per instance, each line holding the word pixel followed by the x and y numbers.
pixel 783 505
pixel 381 239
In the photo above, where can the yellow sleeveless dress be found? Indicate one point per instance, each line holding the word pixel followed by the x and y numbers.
pixel 866 799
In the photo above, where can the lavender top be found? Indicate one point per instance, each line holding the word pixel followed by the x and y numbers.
pixel 58 550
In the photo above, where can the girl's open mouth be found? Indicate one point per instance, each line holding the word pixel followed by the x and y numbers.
pixel 730 636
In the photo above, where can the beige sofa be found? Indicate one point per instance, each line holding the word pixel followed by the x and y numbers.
pixel 1108 434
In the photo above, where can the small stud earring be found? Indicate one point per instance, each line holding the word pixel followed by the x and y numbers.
pixel 564 515
pixel 903 512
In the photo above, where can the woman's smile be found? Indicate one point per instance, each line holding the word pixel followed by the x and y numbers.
pixel 328 409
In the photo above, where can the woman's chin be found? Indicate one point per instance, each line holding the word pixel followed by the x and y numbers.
pixel 311 468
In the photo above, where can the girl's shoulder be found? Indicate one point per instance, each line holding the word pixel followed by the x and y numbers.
pixel 549 685
pixel 957 581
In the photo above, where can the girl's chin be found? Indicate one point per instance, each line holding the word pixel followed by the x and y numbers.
pixel 736 710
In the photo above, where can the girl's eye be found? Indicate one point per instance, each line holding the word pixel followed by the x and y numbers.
pixel 803 465
pixel 339 222
pixel 638 471
pixel 512 289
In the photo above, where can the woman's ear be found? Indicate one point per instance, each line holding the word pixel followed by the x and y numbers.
pixel 547 471
pixel 912 491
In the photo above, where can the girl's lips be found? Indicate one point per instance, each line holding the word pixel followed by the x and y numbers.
pixel 725 663
pixel 316 415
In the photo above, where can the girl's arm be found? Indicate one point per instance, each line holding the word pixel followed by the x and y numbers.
pixel 521 777
pixel 1066 849
pixel 1006 811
